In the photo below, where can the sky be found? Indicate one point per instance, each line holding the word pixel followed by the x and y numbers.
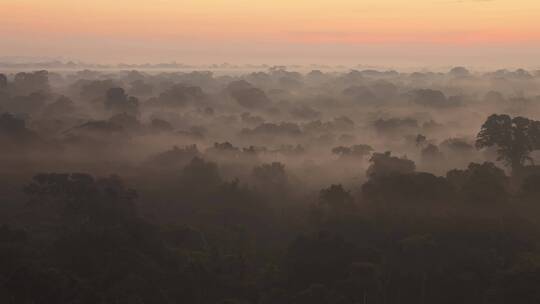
pixel 378 32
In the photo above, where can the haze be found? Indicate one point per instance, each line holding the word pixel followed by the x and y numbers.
pixel 269 152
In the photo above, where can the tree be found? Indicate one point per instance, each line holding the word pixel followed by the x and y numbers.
pixel 201 175
pixel 118 101
pixel 383 164
pixel 431 98
pixel 180 95
pixel 356 151
pixel 83 200
pixel 337 198
pixel 480 183
pixel 272 177
pixel 175 157
pixel 515 138
pixel 25 83
pixel 407 189
pixel 247 95
pixel 334 204
pixel 3 81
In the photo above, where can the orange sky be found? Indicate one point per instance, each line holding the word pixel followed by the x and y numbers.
pixel 240 30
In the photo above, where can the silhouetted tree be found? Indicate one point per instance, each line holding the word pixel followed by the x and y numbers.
pixel 480 183
pixel 515 138
pixel 383 164
pixel 334 203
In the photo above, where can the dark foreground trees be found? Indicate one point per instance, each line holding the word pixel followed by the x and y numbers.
pixel 192 235
pixel 403 237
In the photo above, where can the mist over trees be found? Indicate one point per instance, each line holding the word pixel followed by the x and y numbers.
pixel 270 186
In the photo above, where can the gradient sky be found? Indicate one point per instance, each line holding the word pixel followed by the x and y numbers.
pixel 392 32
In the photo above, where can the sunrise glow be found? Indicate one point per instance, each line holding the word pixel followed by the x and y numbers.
pixel 198 24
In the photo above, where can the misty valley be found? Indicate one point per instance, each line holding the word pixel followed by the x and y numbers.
pixel 271 186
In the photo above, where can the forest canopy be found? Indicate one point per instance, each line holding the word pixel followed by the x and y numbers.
pixel 274 185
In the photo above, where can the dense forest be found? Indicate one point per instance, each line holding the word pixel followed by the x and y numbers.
pixel 271 186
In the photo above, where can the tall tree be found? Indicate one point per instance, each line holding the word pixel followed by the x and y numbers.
pixel 515 138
